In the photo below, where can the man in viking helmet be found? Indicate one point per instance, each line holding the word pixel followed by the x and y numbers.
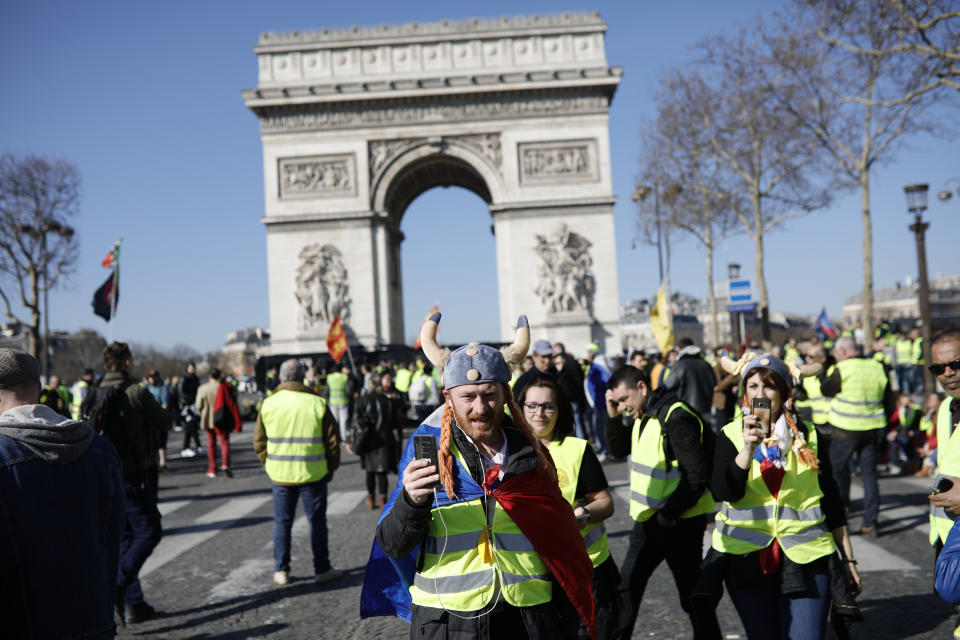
pixel 479 547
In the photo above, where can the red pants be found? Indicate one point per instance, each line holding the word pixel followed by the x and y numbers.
pixel 224 437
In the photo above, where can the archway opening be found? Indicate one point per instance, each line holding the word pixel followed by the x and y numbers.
pixel 449 260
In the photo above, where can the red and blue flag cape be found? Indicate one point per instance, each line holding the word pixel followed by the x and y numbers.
pixel 531 500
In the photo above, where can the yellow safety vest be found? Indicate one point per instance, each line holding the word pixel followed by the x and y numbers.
pixel 904 352
pixel 78 397
pixel 948 464
pixel 295 449
pixel 337 389
pixel 466 559
pixel 815 400
pixel 916 351
pixel 651 482
pixel 794 517
pixel 568 456
pixel 859 405
pixel 404 378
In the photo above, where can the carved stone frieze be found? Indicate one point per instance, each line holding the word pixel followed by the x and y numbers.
pixel 383 151
pixel 565 271
pixel 296 118
pixel 322 290
pixel 573 161
pixel 318 176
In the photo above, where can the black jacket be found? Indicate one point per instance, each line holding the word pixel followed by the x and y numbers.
pixel 682 443
pixel 692 379
pixel 405 526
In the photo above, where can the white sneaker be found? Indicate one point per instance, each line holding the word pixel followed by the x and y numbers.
pixel 188 453
pixel 281 578
pixel 328 575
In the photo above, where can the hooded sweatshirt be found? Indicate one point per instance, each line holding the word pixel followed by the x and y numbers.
pixel 52 437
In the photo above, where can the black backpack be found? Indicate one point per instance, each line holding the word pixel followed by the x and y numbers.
pixel 103 409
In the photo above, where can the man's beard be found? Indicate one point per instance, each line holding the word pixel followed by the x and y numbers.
pixel 479 432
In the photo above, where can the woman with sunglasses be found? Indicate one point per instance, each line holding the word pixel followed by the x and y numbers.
pixel 782 520
pixel 582 483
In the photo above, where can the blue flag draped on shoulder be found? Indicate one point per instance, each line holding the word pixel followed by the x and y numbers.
pixel 386 582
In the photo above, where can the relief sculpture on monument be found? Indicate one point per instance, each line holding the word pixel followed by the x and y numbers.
pixel 321 287
pixel 565 271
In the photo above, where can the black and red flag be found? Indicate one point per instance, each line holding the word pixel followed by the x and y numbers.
pixel 107 294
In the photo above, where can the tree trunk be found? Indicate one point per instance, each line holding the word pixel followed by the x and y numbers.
pixel 867 312
pixel 713 296
pixel 758 270
pixel 34 308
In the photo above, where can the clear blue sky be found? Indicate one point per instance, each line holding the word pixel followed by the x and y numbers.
pixel 145 98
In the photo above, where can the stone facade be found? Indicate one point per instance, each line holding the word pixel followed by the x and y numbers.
pixel 357 123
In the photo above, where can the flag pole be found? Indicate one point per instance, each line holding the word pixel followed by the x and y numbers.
pixel 113 290
pixel 353 366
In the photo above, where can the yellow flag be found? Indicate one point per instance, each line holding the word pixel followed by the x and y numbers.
pixel 661 321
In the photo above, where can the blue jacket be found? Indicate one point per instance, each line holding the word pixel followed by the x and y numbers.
pixel 61 518
pixel 947 574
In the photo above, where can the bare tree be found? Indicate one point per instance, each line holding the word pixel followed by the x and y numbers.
pixel 37 247
pixel 768 160
pixel 922 35
pixel 856 103
pixel 677 142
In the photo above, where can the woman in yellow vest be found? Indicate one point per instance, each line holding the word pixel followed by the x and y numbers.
pixel 782 521
pixel 583 484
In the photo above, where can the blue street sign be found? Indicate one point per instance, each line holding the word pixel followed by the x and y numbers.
pixel 742 308
pixel 741 297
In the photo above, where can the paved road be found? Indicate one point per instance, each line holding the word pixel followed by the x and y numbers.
pixel 211 576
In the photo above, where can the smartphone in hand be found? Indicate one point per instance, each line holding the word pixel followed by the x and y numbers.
pixel 425 448
pixel 761 409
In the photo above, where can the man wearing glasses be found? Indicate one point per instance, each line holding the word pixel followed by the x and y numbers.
pixel 945 502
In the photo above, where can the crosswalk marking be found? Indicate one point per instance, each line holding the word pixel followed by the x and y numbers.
pixel 255 573
pixel 172 546
pixel 168 507
pixel 343 502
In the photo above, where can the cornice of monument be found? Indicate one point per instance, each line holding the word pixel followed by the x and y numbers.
pixel 414 31
pixel 436 86
pixel 428 109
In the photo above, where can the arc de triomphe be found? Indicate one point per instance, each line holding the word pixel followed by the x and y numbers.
pixel 356 123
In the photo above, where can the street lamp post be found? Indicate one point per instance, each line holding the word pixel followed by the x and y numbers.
pixel 733 273
pixel 917 204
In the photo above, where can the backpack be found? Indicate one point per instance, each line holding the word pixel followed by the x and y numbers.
pixel 104 410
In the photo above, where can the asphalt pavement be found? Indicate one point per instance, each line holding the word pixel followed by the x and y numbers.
pixel 211 577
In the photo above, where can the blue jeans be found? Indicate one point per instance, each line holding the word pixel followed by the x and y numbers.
pixel 578 422
pixel 600 426
pixel 141 534
pixel 767 614
pixel 314 498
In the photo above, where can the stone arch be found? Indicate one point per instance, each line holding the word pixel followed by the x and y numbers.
pixel 356 123
pixel 425 164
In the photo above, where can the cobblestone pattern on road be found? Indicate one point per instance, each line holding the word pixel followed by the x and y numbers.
pixel 216 582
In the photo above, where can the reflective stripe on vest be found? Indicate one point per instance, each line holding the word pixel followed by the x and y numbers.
pixel 651 482
pixel 948 464
pixel 465 574
pixel 337 389
pixel 794 517
pixel 859 405
pixel 296 453
pixel 568 456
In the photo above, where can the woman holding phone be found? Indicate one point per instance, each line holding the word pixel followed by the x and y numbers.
pixel 582 483
pixel 782 522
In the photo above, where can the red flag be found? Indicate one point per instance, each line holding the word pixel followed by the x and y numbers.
pixel 336 340
pixel 112 257
pixel 435 309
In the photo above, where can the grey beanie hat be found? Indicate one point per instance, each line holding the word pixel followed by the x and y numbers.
pixel 17 367
pixel 771 362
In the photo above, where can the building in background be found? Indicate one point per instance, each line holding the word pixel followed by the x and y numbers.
pixel 240 352
pixel 900 303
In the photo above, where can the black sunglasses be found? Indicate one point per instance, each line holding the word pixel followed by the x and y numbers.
pixel 938 369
